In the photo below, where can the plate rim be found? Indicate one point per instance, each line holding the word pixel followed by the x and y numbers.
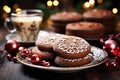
pixel 64 69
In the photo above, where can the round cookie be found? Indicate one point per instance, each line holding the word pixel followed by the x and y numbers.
pixel 106 17
pixel 73 62
pixel 59 20
pixel 85 29
pixel 65 17
pixel 71 47
pixel 42 54
pixel 46 43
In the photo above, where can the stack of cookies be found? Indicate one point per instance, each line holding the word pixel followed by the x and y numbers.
pixel 86 30
pixel 72 51
pixel 60 19
pixel 105 17
pixel 69 51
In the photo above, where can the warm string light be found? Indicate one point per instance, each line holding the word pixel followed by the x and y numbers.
pixel 49 3
pixel 52 3
pixel 89 4
pixel 92 3
pixel 115 10
pixel 55 3
pixel 86 5
pixel 7 9
pixel 18 11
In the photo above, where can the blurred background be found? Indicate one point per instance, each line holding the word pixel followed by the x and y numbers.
pixel 52 6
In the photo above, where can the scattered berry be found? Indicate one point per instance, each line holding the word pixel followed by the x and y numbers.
pixel 14 59
pixel 45 63
pixel 35 59
pixel 9 57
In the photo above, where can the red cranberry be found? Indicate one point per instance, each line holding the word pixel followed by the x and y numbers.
pixel 117 58
pixel 110 44
pixel 9 57
pixel 14 59
pixel 113 65
pixel 20 48
pixel 108 65
pixel 102 41
pixel 25 53
pixel 45 63
pixel 35 59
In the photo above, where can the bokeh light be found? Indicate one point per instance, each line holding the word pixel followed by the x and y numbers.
pixel 115 10
pixel 86 5
pixel 7 9
pixel 49 3
pixel 92 2
pixel 55 2
pixel 18 11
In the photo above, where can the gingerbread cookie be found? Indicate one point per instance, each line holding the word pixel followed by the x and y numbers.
pixel 105 17
pixel 59 20
pixel 46 43
pixel 42 54
pixel 86 29
pixel 71 47
pixel 73 62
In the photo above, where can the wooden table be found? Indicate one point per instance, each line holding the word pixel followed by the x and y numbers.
pixel 17 71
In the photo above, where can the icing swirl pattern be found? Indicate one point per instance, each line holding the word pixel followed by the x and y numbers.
pixel 47 40
pixel 76 59
pixel 72 45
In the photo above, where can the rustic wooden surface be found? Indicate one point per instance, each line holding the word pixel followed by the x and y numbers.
pixel 16 71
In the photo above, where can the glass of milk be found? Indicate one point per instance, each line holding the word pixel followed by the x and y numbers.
pixel 25 24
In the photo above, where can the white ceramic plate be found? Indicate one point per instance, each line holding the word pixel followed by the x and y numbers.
pixel 99 57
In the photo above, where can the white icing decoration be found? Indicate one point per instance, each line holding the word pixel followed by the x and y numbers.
pixel 49 39
pixel 73 47
pixel 97 54
pixel 76 59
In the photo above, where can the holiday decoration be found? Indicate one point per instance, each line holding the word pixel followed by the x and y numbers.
pixel 14 59
pixel 20 48
pixel 112 65
pixel 35 59
pixel 11 46
pixel 111 46
pixel 45 63
pixel 117 58
pixel 115 51
pixel 25 53
pixel 9 57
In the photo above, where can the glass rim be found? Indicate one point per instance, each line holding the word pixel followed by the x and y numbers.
pixel 28 12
